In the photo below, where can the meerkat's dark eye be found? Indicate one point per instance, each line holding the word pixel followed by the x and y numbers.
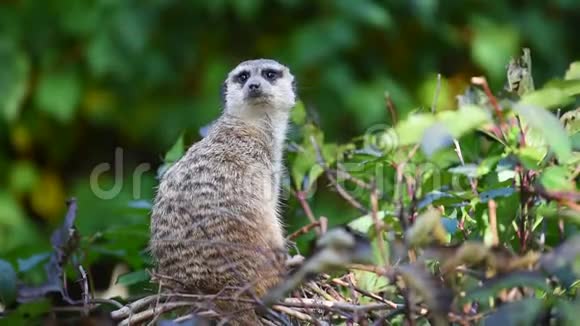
pixel 243 76
pixel 270 74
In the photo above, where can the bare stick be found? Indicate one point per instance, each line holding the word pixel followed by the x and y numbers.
pixel 137 305
pixel 493 221
pixel 85 290
pixel 379 224
pixel 323 224
pixel 392 109
pixel 436 95
pixel 321 304
pixel 481 81
pixel 293 313
pixel 340 173
pixel 398 189
pixel 303 230
pixel 341 191
pixel 370 268
pixel 316 289
pixel 301 196
pixel 460 155
pixel 365 292
pixel 140 317
pixel 522 132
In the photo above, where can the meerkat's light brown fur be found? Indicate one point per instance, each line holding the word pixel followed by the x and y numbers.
pixel 215 222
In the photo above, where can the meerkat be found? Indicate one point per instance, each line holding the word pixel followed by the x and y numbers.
pixel 215 220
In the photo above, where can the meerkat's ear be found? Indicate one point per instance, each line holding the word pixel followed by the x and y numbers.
pixel 223 92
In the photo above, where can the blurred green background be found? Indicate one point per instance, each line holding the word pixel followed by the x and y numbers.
pixel 82 79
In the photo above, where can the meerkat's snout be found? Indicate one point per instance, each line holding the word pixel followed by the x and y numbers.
pixel 254 89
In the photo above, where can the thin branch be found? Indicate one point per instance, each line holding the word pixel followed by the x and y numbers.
pixel 140 317
pixel 303 230
pixel 399 188
pixel 472 181
pixel 301 196
pixel 481 81
pixel 85 287
pixel 365 292
pixel 379 224
pixel 125 311
pixel 321 304
pixel 370 268
pixel 341 191
pixel 392 109
pixel 340 173
pixel 493 221
pixel 436 95
pixel 293 313
pixel 522 132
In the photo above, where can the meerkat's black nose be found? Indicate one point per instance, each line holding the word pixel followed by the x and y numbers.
pixel 254 86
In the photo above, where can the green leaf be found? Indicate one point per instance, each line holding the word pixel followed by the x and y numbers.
pixel 176 151
pixel 58 93
pixel 556 178
pixel 518 279
pixel 522 312
pixel 467 118
pixel 437 197
pixel 435 138
pixel 573 71
pixel 428 228
pixel 410 131
pixel 370 281
pixel 451 224
pixel 562 261
pixel 569 87
pixel 363 224
pixel 547 98
pixel 305 169
pixel 28 313
pixel 575 140
pixel 555 94
pixel 550 128
pixel 24 265
pixel 455 123
pixel 8 280
pixel 531 157
pixel 568 312
pixel 133 278
pixel 468 170
pixel 485 196
pixel 13 81
pixel 487 165
pixel 298 114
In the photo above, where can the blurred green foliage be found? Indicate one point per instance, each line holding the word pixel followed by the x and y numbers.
pixel 80 79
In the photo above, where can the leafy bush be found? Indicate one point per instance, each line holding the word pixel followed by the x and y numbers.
pixel 472 215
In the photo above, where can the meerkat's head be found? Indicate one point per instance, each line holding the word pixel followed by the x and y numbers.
pixel 259 86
